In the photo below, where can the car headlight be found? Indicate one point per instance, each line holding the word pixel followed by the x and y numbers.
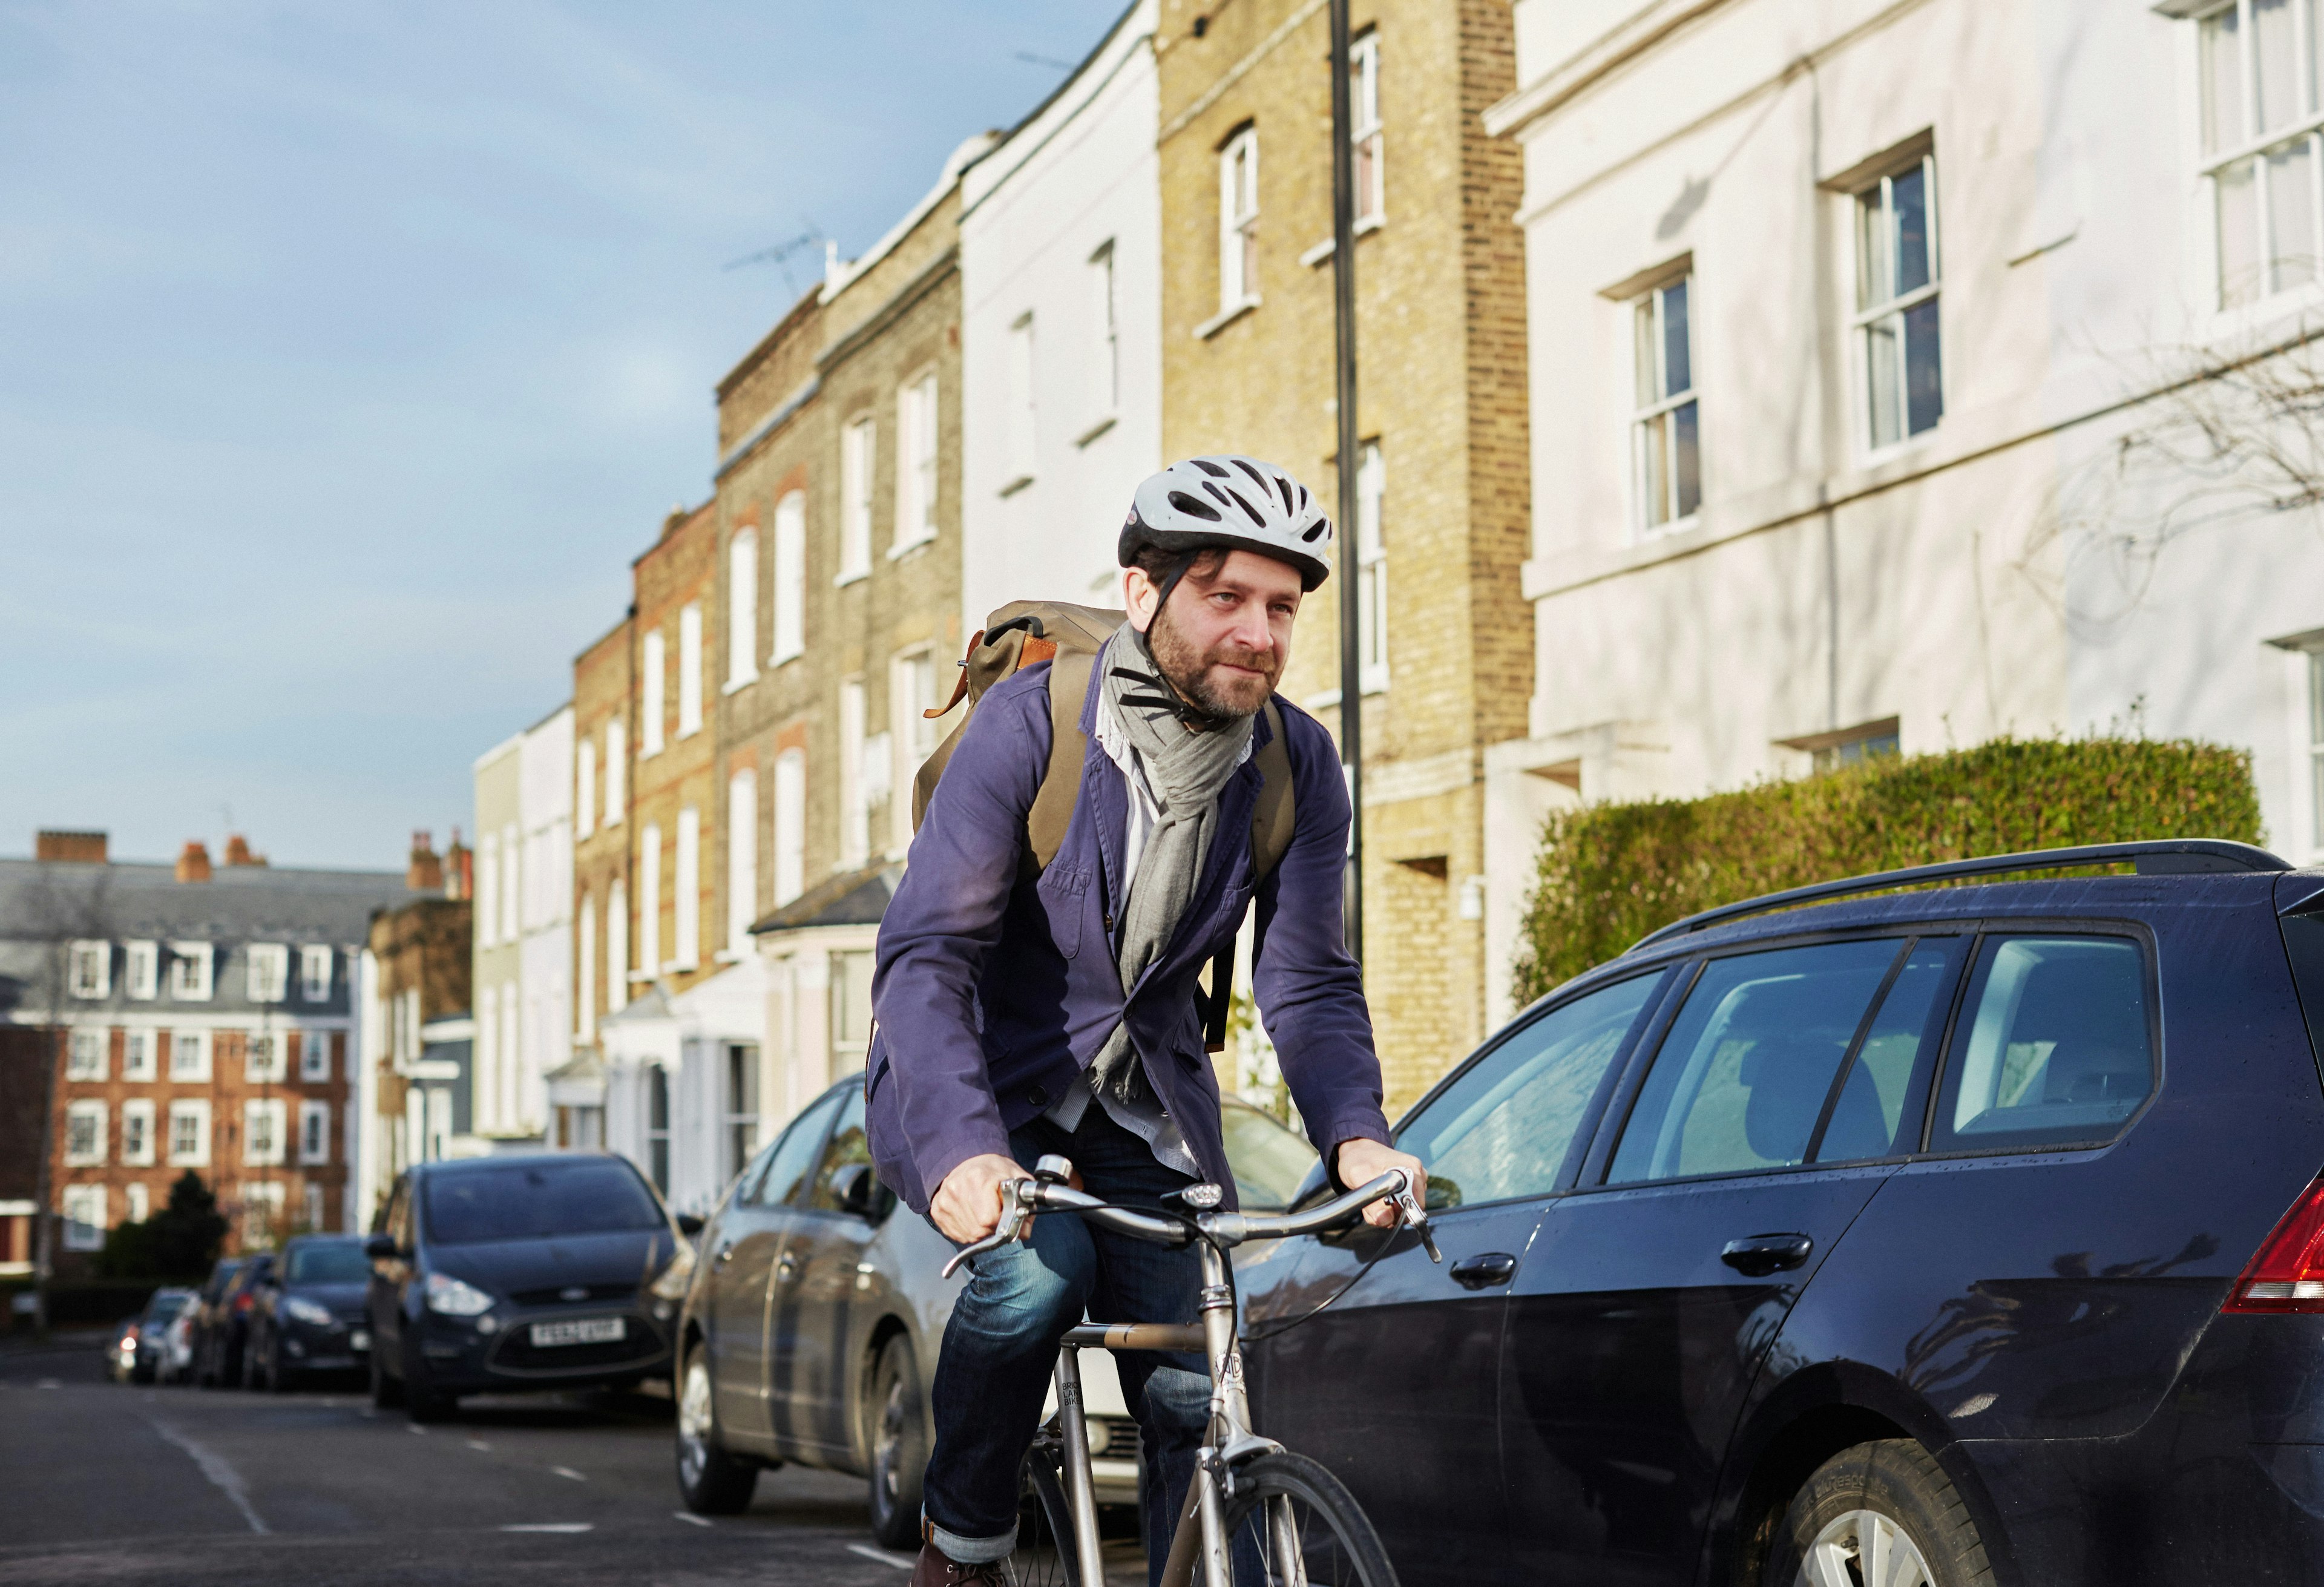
pixel 677 1276
pixel 454 1299
pixel 303 1310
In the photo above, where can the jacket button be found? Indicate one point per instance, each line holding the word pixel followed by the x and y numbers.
pixel 1038 1095
pixel 1109 923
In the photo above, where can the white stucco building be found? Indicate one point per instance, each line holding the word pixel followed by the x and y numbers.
pixel 522 987
pixel 1841 311
pixel 1060 252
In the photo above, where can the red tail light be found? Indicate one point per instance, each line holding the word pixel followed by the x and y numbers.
pixel 242 1302
pixel 2288 1273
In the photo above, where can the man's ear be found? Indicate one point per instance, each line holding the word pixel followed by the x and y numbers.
pixel 1140 596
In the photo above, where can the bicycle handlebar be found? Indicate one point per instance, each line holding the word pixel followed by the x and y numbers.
pixel 1022 1197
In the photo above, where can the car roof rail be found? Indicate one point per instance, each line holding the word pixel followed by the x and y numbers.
pixel 2176 856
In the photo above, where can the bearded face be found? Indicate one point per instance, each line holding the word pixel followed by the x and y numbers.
pixel 1223 678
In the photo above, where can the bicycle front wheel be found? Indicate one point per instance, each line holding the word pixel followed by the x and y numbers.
pixel 1045 1554
pixel 1291 1524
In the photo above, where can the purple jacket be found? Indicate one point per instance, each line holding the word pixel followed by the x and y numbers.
pixel 995 989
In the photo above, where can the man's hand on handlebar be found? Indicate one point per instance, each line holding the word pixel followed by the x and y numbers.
pixel 1359 1162
pixel 966 1207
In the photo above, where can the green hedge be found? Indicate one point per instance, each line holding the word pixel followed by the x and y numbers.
pixel 1609 873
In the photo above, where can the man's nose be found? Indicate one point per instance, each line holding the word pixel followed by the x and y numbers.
pixel 1250 631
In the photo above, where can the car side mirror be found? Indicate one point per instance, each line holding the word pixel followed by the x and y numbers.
pixel 380 1248
pixel 856 1189
pixel 689 1224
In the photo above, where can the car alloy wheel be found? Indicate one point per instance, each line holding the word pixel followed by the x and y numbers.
pixel 1864 1547
pixel 710 1481
pixel 899 1445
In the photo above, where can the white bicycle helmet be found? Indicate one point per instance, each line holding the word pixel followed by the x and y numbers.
pixel 1233 502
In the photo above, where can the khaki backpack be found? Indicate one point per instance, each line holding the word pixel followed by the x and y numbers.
pixel 1026 632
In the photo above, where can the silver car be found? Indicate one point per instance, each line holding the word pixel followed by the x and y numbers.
pixel 813 1314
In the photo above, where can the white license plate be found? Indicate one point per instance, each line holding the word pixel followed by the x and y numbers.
pixel 585 1330
pixel 358 1339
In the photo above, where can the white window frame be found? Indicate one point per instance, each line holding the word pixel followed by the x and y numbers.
pixel 262 1212
pixel 1371 569
pixel 88 969
pixel 315 968
pixel 266 972
pixel 859 461
pixel 911 693
pixel 1876 316
pixel 194 1112
pixel 137 1144
pixel 854 807
pixel 512 883
pixel 87 1057
pixel 742 608
pixel 617 946
pixel 1021 408
pixel 916 463
pixel 742 858
pixel 191 967
pixel 1239 221
pixel 1659 506
pixel 141 970
pixel 617 751
pixel 190 1056
pixel 686 889
pixel 314 1133
pixel 584 786
pixel 263 1059
pixel 584 945
pixel 86 1125
pixel 137 1047
pixel 84 1217
pixel 139 1199
pixel 788 616
pixel 315 1057
pixel 265 1122
pixel 488 889
pixel 2250 150
pixel 1105 315
pixel 649 901
pixel 652 692
pixel 1363 105
pixel 790 825
pixel 311 1205
pixel 689 670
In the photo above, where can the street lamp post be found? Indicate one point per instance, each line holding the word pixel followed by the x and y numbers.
pixel 1344 308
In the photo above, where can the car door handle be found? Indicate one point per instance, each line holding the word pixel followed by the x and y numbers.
pixel 785 1266
pixel 1482 1272
pixel 1756 1255
pixel 725 1255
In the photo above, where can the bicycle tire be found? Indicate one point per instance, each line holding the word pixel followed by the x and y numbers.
pixel 1045 1555
pixel 1336 1543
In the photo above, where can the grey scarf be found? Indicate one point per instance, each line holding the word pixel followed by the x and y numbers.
pixel 1184 770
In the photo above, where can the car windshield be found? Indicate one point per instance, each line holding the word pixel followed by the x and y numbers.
pixel 1268 1160
pixel 336 1263
pixel 530 1202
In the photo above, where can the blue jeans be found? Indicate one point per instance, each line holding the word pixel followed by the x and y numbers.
pixel 1000 1347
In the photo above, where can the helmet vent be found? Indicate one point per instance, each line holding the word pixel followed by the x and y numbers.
pixel 1321 526
pixel 1194 505
pixel 1256 478
pixel 1211 468
pixel 1284 485
pixel 1257 521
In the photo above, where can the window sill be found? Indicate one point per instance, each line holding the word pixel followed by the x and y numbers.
pixel 1095 431
pixel 786 659
pixel 648 755
pixel 1329 699
pixel 728 956
pixel 1331 246
pixel 1225 317
pixel 897 553
pixel 737 684
pixel 1013 486
pixel 642 977
pixel 686 733
pixel 856 576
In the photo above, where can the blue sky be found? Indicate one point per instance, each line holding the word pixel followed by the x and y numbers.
pixel 348 352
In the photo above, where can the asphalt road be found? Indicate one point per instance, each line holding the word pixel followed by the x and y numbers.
pixel 112 1483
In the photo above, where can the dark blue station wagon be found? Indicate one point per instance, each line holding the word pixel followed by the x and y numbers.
pixel 1946 1236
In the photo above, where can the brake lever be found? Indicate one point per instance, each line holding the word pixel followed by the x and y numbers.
pixel 1011 1225
pixel 1417 1219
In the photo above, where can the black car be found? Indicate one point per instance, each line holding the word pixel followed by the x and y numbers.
pixel 1979 1227
pixel 309 1316
pixel 225 1327
pixel 153 1326
pixel 502 1274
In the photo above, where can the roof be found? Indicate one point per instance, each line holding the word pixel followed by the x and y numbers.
pixel 858 898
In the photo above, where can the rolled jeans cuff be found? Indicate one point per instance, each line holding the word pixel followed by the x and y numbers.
pixel 972 1551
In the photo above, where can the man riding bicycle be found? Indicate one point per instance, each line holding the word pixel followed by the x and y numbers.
pixel 1025 1010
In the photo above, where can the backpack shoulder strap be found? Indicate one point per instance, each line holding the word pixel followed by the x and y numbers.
pixel 1272 819
pixel 1061 784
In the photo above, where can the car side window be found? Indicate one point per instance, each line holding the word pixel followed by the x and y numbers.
pixel 2054 1046
pixel 1741 1078
pixel 849 1146
pixel 1879 1112
pixel 746 1183
pixel 785 1179
pixel 1501 1130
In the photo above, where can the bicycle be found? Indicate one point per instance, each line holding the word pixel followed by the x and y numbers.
pixel 1256 1515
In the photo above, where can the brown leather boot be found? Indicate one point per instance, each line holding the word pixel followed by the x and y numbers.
pixel 934 1568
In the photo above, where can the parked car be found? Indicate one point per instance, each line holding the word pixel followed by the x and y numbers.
pixel 1982 1223
pixel 815 1316
pixel 174 1362
pixel 507 1274
pixel 223 1326
pixel 121 1353
pixel 310 1314
pixel 153 1324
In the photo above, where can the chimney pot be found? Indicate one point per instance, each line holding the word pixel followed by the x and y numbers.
pixel 194 862
pixel 237 852
pixel 80 848
pixel 425 873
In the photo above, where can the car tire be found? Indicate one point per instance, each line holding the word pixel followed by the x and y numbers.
pixel 386 1388
pixel 710 1481
pixel 423 1402
pixel 897 1443
pixel 1863 1507
pixel 278 1381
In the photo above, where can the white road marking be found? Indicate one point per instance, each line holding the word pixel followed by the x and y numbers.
pixel 692 1521
pixel 569 1472
pixel 414 1427
pixel 214 1466
pixel 478 1444
pixel 553 1527
pixel 48 1383
pixel 882 1555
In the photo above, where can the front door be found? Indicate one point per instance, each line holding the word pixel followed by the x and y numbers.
pixel 1393 1384
pixel 1649 1299
pixel 748 1244
pixel 811 1365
